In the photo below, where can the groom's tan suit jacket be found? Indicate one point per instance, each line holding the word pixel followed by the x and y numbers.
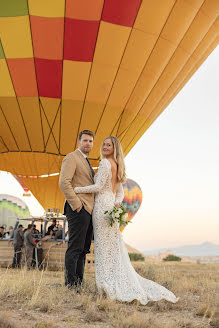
pixel 75 172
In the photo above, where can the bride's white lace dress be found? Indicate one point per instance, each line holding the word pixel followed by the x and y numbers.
pixel 114 272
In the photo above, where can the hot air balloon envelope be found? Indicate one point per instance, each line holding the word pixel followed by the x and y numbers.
pixel 132 199
pixel 110 66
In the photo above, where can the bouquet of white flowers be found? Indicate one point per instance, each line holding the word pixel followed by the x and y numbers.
pixel 118 214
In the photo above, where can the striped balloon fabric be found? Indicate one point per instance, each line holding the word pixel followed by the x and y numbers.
pixel 132 199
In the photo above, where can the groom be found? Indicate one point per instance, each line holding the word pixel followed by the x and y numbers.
pixel 76 171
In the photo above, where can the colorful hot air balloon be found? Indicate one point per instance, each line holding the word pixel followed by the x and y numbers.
pixel 132 199
pixel 111 66
pixel 26 190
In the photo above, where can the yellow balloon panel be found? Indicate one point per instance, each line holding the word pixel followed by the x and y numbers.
pixel 46 190
pixel 48 8
pixel 163 53
pixel 16 37
pixel 14 119
pixel 74 87
pixel 112 40
pixel 178 84
pixel 71 114
pixel 139 47
pixel 6 86
pixel 28 162
pixel 179 58
pixel 31 112
pixel 150 19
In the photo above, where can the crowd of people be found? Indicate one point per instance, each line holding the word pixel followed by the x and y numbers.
pixel 7 234
pixel 54 231
pixel 28 239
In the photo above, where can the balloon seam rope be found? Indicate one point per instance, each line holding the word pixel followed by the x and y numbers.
pixel 145 121
pixel 16 100
pixel 60 125
pixel 51 132
pixel 118 69
pixel 1 106
pixel 119 119
pixel 85 96
pixel 184 80
pixel 41 152
pixel 52 163
pixel 161 74
pixel 51 128
pixel 169 100
pixel 10 129
pixel 36 77
pixel 60 122
pixel 28 138
pixel 42 109
pixel 120 116
pixel 3 142
pixel 44 145
pixel 143 70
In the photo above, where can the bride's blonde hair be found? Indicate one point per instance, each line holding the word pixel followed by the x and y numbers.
pixel 118 157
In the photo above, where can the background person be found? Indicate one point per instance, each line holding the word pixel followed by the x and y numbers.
pixel 52 229
pixel 18 244
pixel 35 230
pixel 29 245
pixel 2 232
pixel 58 233
pixel 9 233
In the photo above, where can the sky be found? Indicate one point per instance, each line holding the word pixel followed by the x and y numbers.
pixel 176 164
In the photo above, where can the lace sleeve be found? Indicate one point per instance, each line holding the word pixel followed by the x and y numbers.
pixel 119 194
pixel 102 176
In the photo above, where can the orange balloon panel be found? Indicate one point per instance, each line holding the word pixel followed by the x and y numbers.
pixel 112 67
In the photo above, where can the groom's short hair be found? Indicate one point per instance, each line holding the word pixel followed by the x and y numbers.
pixel 90 133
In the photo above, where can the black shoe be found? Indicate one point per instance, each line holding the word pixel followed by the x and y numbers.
pixel 74 287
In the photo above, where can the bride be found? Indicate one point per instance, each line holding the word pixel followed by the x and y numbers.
pixel 114 272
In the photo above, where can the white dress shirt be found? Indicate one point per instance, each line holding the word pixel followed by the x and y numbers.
pixel 85 156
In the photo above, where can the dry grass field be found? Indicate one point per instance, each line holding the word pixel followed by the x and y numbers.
pixel 32 299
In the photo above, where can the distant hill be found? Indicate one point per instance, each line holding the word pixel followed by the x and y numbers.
pixel 204 249
pixel 132 250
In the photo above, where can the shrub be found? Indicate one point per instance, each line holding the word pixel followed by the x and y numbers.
pixel 136 257
pixel 172 258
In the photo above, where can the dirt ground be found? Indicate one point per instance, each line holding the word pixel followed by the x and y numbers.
pixel 38 299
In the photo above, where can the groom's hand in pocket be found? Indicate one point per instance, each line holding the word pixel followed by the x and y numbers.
pixel 78 209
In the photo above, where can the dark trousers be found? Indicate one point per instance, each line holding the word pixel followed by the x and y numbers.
pixel 17 257
pixel 29 255
pixel 39 253
pixel 80 231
